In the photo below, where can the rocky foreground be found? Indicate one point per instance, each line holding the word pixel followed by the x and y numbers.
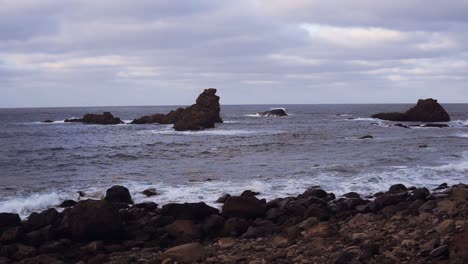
pixel 402 225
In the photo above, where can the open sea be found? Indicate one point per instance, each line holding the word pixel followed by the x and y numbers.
pixel 43 164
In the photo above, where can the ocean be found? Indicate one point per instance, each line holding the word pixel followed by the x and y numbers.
pixel 42 164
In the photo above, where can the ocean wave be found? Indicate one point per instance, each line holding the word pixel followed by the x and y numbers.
pixel 253 115
pixel 210 132
pixel 458 123
pixel 461 135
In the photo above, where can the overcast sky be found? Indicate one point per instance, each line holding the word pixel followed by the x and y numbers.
pixel 160 52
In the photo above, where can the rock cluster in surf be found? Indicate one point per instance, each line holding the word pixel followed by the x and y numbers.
pixel 203 114
pixel 105 118
pixel 428 110
pixel 274 112
pixel 401 225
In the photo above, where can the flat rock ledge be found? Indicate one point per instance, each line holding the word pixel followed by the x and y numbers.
pixel 402 225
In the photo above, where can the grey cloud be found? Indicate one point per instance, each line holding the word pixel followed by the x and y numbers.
pixel 164 52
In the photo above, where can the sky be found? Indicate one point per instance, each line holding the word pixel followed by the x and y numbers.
pixel 165 52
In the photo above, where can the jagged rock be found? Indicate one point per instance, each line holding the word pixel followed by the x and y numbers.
pixel 243 207
pixel 105 118
pixel 92 220
pixel 203 114
pixel 428 110
pixel 118 194
pixel 274 112
pixel 188 211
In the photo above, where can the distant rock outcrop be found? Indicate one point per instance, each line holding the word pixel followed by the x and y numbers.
pixel 105 118
pixel 203 114
pixel 428 110
pixel 274 112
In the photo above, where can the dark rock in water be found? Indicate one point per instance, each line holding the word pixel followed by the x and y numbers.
pixel 435 125
pixel 203 114
pixel 9 219
pixel 243 207
pixel 92 220
pixel 428 110
pixel 67 203
pixel 274 112
pixel 366 137
pixel 105 118
pixel 150 192
pixel 48 121
pixel 441 187
pixel 118 194
pixel 223 198
pixel 401 125
pixel 249 193
pixel 423 146
pixel 188 211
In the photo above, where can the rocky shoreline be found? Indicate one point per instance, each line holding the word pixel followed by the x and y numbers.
pixel 402 225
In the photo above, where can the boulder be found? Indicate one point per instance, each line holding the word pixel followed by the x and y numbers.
pixel 187 253
pixel 92 220
pixel 274 112
pixel 243 207
pixel 428 110
pixel 105 118
pixel 9 219
pixel 249 193
pixel 188 211
pixel 38 220
pixel 118 194
pixel 203 114
pixel 223 198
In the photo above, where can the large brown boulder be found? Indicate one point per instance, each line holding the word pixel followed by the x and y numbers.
pixel 428 110
pixel 105 118
pixel 203 114
pixel 92 220
pixel 243 207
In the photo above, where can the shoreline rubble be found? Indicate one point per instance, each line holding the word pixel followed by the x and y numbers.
pixel 404 224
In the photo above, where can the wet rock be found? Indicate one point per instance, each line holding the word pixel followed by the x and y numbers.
pixel 352 195
pixel 387 199
pixel 223 198
pixel 189 211
pixel 92 220
pixel 40 236
pixel 235 226
pixel 274 112
pixel 428 110
pixel 118 194
pixel 396 188
pixel 435 125
pixel 48 121
pixel 460 192
pixel 445 226
pixel 249 193
pixel 243 207
pixel 441 187
pixel 150 192
pixel 366 137
pixel 187 253
pixel 213 225
pixel 420 193
pixel 9 219
pixel 105 118
pixel 67 203
pixel 11 234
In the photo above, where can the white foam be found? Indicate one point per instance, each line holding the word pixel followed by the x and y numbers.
pixel 211 132
pixel 127 121
pixel 35 202
pixel 458 123
pixel 462 135
pixel 253 115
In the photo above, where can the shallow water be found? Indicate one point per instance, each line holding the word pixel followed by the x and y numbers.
pixel 42 164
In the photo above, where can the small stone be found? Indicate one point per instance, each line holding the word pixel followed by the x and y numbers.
pixel 226 242
pixel 408 243
pixel 439 252
pixel 280 241
pixel 445 227
pixel 187 253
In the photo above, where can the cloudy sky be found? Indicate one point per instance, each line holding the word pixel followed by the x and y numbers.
pixel 159 52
